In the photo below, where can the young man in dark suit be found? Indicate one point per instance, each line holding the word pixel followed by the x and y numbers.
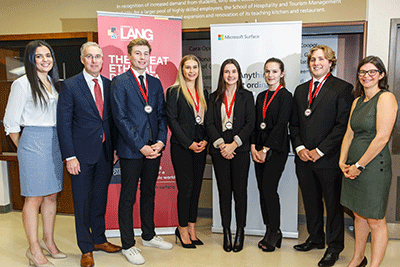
pixel 138 109
pixel 85 130
pixel 321 109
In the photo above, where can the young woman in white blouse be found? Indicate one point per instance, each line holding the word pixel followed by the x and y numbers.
pixel 32 105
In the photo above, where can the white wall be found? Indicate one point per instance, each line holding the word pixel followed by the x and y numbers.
pixel 379 14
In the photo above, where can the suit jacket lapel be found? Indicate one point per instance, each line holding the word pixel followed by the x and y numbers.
pixel 324 89
pixel 136 86
pixel 106 96
pixel 86 92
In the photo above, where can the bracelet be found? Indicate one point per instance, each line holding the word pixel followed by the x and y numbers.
pixel 359 167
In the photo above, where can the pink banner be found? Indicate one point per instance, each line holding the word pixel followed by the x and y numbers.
pixel 115 31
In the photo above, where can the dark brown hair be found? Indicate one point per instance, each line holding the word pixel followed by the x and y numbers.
pixel 221 82
pixel 38 89
pixel 377 62
pixel 281 67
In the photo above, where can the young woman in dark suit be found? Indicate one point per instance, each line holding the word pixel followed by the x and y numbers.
pixel 270 148
pixel 230 122
pixel 186 105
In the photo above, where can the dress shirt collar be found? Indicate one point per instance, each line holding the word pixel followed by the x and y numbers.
pixel 89 79
pixel 137 75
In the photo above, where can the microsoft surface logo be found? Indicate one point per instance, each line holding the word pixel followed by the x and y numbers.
pixel 220 37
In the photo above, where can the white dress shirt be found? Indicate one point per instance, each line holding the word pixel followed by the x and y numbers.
pixel 22 111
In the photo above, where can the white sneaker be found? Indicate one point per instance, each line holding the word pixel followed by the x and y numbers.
pixel 157 242
pixel 133 255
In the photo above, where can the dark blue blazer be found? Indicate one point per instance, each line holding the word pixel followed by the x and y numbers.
pixel 132 122
pixel 79 125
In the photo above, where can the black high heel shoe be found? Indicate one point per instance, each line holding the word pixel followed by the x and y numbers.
pixel 363 263
pixel 227 240
pixel 263 242
pixel 197 242
pixel 274 241
pixel 239 239
pixel 178 235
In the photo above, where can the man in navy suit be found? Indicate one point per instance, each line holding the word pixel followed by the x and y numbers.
pixel 321 110
pixel 138 108
pixel 85 130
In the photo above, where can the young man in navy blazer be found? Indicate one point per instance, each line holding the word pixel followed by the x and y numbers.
pixel 321 110
pixel 138 108
pixel 85 129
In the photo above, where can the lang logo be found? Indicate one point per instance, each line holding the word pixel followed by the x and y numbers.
pixel 220 37
pixel 113 33
pixel 129 33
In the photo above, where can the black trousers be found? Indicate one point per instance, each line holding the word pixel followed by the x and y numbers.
pixel 268 175
pixel 189 170
pixel 315 184
pixel 131 171
pixel 89 192
pixel 232 177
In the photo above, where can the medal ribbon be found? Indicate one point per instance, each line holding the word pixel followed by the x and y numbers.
pixel 266 105
pixel 145 95
pixel 310 95
pixel 229 111
pixel 197 106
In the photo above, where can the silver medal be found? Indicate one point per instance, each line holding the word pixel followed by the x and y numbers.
pixel 307 112
pixel 263 125
pixel 229 125
pixel 148 109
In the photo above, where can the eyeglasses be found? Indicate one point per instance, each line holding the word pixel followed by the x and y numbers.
pixel 371 73
pixel 90 56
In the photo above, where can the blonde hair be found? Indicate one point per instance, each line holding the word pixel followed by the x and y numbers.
pixel 328 53
pixel 181 82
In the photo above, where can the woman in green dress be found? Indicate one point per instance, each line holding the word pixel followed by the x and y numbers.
pixel 365 159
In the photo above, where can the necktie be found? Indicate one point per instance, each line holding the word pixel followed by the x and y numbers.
pixel 315 87
pixel 141 78
pixel 99 100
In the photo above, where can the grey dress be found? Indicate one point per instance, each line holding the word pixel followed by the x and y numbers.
pixel 367 195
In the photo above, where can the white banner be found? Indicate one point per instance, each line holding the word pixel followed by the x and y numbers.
pixel 251 44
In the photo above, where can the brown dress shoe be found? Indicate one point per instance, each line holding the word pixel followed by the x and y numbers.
pixel 87 260
pixel 107 247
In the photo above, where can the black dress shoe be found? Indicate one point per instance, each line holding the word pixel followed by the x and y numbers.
pixel 309 245
pixel 328 259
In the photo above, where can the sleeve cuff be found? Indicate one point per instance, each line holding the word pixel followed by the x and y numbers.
pixel 238 140
pixel 218 142
pixel 68 159
pixel 319 152
pixel 159 141
pixel 299 148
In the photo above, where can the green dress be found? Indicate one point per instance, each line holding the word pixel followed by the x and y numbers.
pixel 367 195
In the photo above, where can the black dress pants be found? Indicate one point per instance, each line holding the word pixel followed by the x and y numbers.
pixel 268 175
pixel 315 184
pixel 131 170
pixel 232 177
pixel 89 192
pixel 189 170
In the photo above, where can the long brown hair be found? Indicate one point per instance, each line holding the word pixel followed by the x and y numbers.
pixel 221 82
pixel 181 82
pixel 377 62
pixel 39 94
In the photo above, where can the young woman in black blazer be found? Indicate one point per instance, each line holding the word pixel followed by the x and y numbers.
pixel 270 148
pixel 186 105
pixel 230 122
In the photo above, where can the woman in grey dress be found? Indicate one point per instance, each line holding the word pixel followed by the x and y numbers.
pixel 32 105
pixel 365 159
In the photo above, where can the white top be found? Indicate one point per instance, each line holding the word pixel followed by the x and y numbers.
pixel 89 80
pixel 22 111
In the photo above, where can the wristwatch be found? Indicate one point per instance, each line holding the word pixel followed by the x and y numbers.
pixel 265 150
pixel 359 167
